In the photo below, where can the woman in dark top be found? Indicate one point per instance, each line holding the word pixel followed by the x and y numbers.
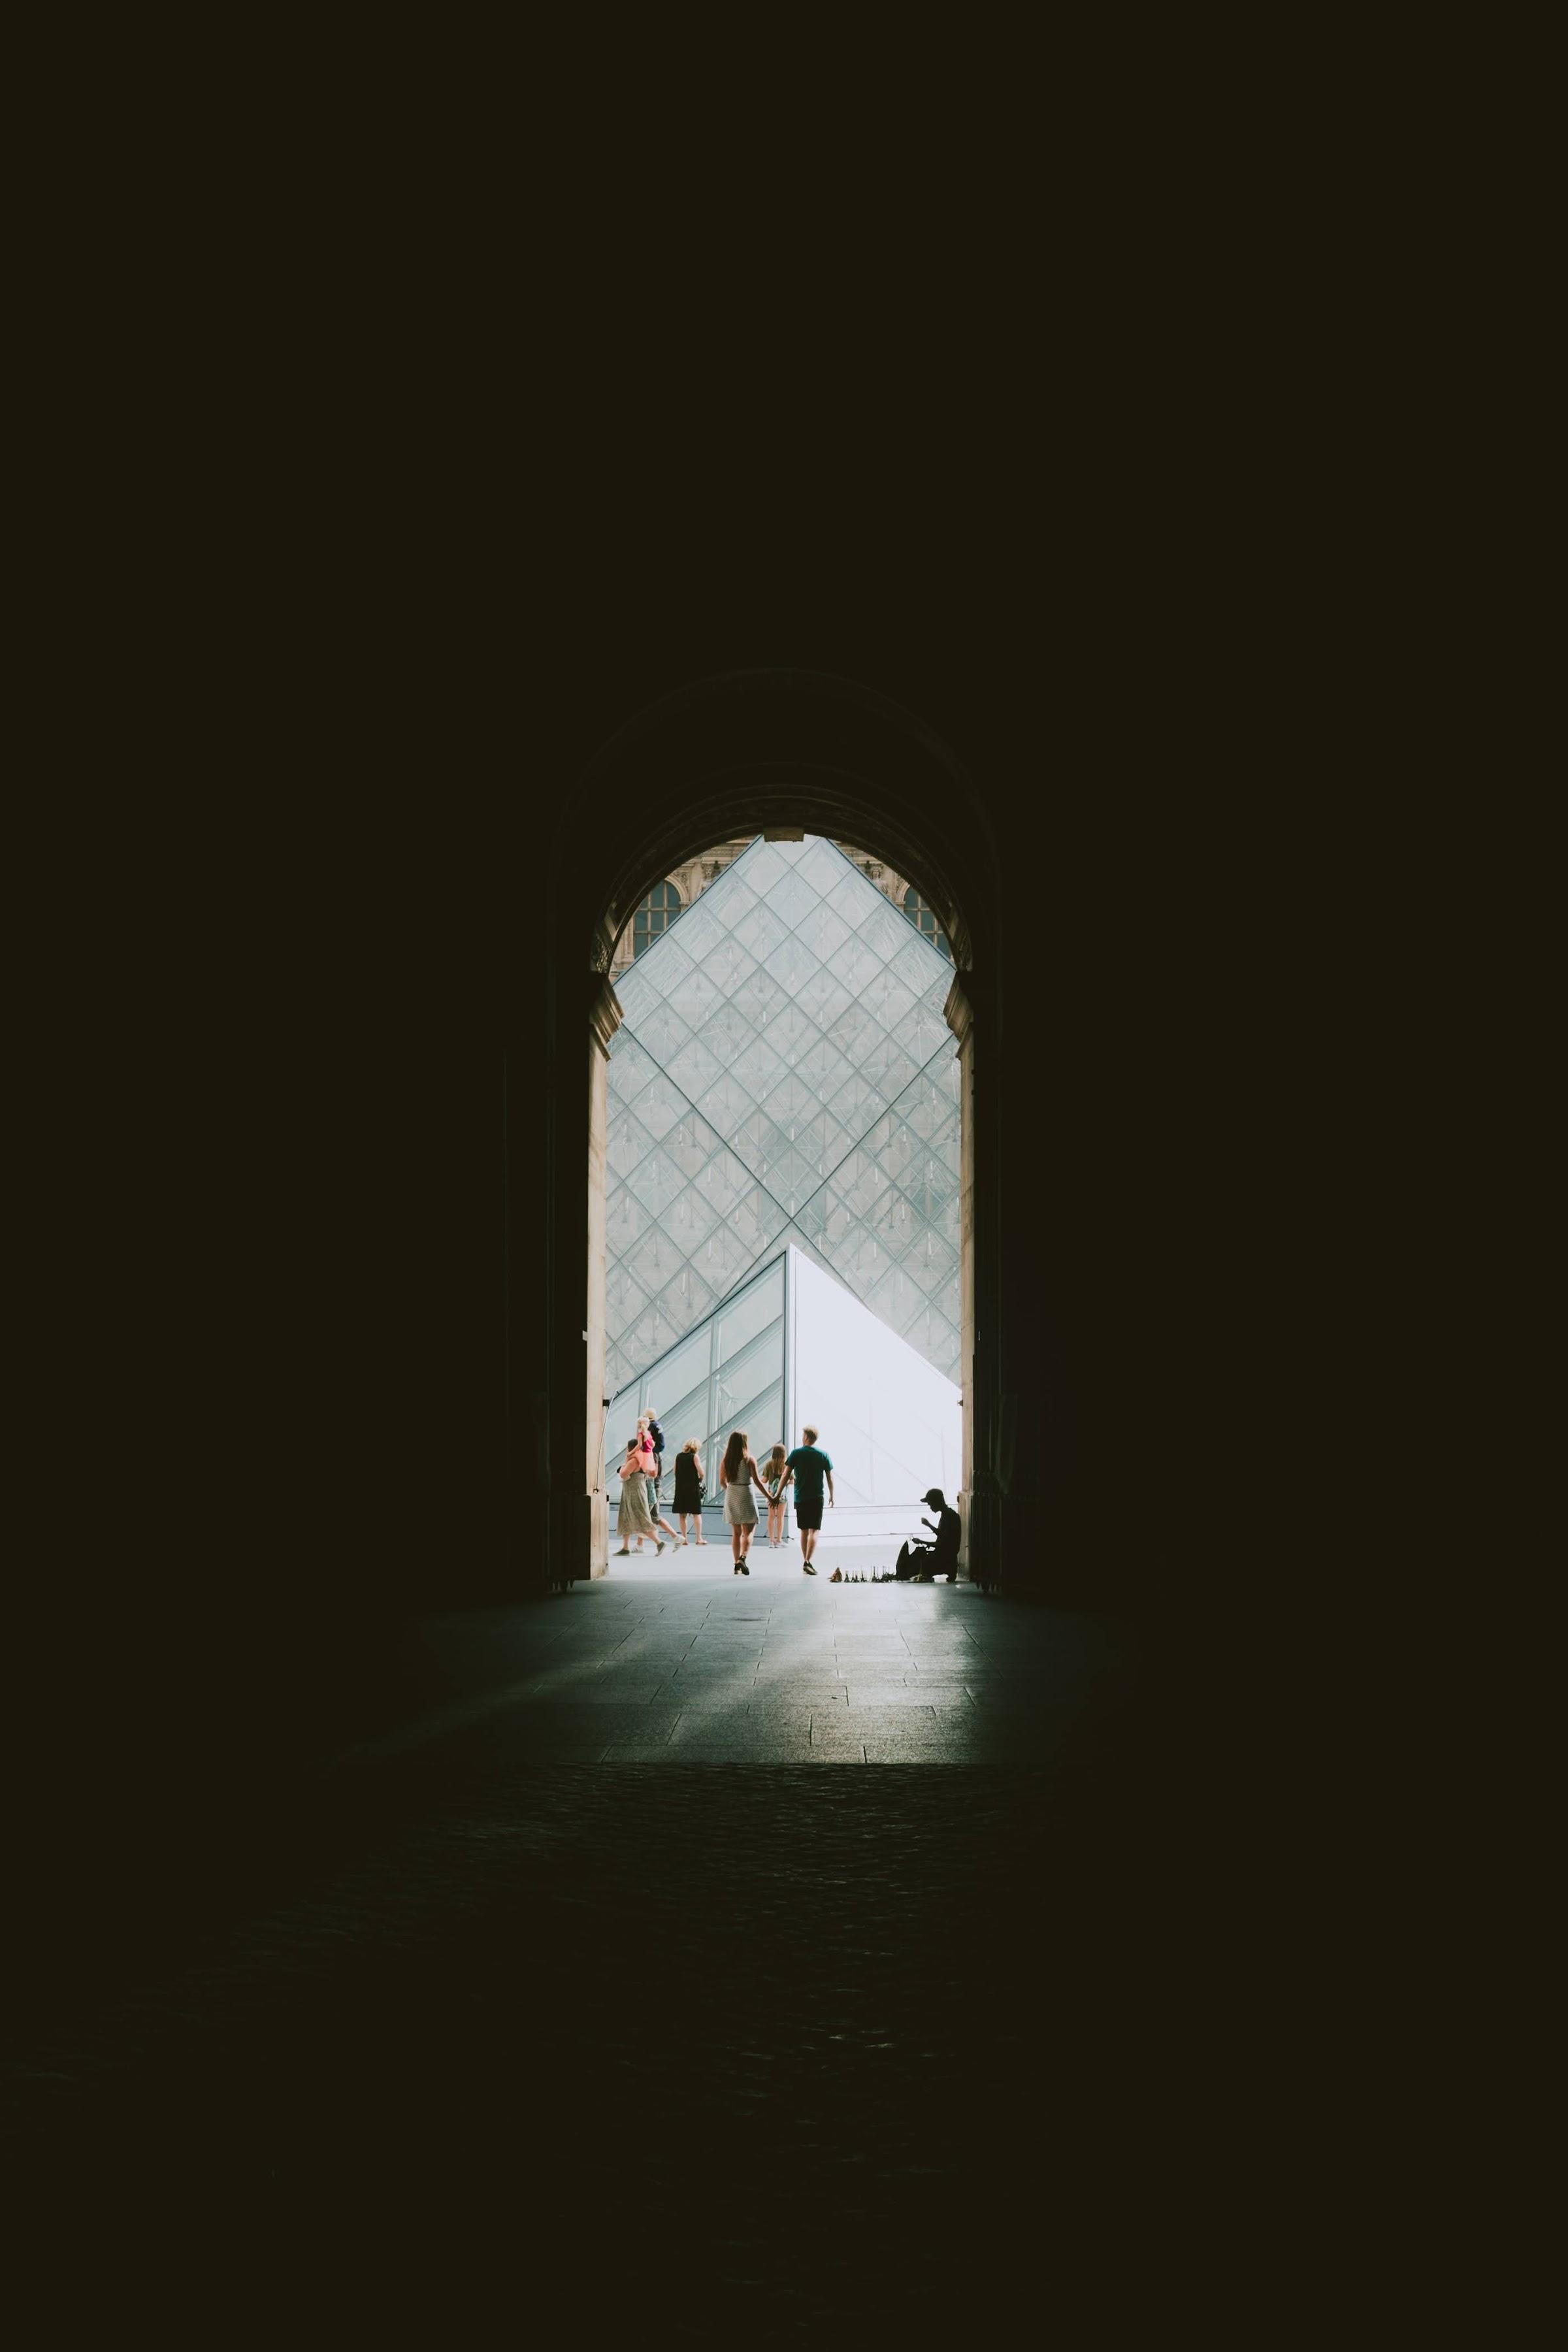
pixel 688 1490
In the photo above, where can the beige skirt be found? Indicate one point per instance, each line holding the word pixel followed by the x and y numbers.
pixel 739 1507
pixel 633 1517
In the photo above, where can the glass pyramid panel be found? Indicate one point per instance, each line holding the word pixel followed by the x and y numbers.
pixel 889 1419
pixel 782 1072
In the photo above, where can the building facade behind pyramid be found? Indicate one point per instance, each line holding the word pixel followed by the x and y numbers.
pixel 784 1077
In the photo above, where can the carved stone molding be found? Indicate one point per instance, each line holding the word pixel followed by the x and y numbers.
pixel 605 1015
pixel 958 1010
pixel 602 947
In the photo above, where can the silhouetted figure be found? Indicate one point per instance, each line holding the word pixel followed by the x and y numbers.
pixel 808 1466
pixel 773 1479
pixel 922 1560
pixel 650 1437
pixel 688 1489
pixel 739 1475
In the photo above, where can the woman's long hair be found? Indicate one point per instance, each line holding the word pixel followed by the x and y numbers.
pixel 734 1455
pixel 775 1463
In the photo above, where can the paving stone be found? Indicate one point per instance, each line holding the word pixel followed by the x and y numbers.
pixel 880 1722
pixel 781 1747
pixel 893 1697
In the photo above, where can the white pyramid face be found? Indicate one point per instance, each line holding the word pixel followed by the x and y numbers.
pixel 890 1423
pixel 784 1073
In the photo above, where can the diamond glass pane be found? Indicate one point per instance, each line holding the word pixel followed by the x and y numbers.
pixel 912 965
pixel 732 901
pixel 630 1066
pixel 729 1034
pixel 822 865
pixel 889 999
pixel 824 999
pixel 694 1070
pixel 724 1180
pixel 791 900
pixel 673 966
pixel 657 1181
pixel 664 1033
pixel 636 996
pixel 791 1099
pixel 699 931
pixel 695 998
pixel 824 932
pixel 848 897
pixel 728 965
pixel 691 1144
pixel 763 868
pixel 626 1220
pixel 791 964
pixel 686 1298
pixel 688 1220
pixel 759 997
pixel 757 1217
pixel 789 1032
pixel 926 1033
pixel 626 1146
pixel 659 1107
pixel 883 931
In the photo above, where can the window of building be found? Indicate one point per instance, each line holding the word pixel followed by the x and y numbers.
pixel 924 920
pixel 655 916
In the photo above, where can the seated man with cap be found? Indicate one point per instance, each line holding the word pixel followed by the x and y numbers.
pixel 925 1560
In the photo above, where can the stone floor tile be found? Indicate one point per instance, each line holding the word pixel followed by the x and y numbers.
pixel 641 1691
pixel 909 1697
pixel 709 1699
pixel 882 1722
pixel 785 1748
pixel 827 1692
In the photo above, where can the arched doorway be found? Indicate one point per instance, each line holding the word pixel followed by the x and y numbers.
pixel 791 755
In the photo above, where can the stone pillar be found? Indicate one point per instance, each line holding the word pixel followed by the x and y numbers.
pixel 959 1015
pixel 603 1020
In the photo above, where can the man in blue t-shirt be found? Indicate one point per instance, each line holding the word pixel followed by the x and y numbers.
pixel 808 1466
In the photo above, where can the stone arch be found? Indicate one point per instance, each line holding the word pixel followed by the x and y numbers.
pixel 757 752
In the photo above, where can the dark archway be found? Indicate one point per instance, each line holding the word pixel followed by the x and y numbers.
pixel 755 752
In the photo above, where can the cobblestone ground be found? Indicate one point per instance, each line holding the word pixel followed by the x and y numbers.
pixel 653 2023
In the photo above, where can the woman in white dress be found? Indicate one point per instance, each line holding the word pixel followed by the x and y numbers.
pixel 739 1475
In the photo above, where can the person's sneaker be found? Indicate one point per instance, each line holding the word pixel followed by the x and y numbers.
pixel 836 1576
pixel 807 1567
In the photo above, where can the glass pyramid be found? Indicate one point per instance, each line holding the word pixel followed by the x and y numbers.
pixel 794 1345
pixel 784 1076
